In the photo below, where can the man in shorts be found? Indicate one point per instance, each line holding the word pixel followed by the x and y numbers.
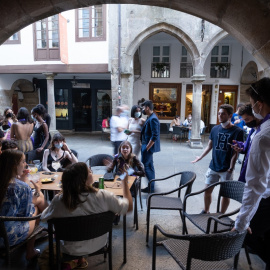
pixel 223 156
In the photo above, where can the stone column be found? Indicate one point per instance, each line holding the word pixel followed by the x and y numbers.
pixel 51 100
pixel 183 102
pixel 197 80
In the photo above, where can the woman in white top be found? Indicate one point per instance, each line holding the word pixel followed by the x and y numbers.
pixel 135 125
pixel 79 198
pixel 175 122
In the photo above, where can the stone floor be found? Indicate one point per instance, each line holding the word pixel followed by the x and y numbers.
pixel 174 157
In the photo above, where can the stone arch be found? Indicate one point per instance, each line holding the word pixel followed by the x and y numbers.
pixel 249 75
pixel 22 84
pixel 210 45
pixel 232 16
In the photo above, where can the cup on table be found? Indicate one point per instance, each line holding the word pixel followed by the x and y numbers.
pixel 36 163
pixel 33 175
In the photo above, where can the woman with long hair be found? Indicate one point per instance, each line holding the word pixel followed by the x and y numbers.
pixel 46 117
pixel 42 135
pixel 18 200
pixel 21 131
pixel 135 124
pixel 10 118
pixel 79 198
pixel 58 156
pixel 125 158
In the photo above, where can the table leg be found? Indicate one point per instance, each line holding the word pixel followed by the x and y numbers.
pixel 125 238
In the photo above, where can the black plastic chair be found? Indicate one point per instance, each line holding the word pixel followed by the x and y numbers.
pixel 229 189
pixel 163 202
pixel 78 229
pixel 200 251
pixel 7 250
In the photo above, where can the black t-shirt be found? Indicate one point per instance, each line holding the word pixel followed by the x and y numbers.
pixel 222 151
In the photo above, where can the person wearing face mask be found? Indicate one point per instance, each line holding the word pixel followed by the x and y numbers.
pixel 223 155
pixel 254 212
pixel 253 123
pixel 150 137
pixel 58 156
pixel 10 118
pixel 119 124
pixel 135 124
pixel 188 123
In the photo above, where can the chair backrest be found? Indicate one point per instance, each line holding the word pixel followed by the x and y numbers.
pixel 97 160
pixel 177 130
pixel 187 177
pixel 75 153
pixel 82 227
pixel 214 247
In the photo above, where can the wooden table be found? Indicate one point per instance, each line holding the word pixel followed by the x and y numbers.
pixel 113 186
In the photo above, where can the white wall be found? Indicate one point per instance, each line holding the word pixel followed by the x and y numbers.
pixel 94 52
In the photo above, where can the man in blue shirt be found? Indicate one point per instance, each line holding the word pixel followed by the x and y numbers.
pixel 237 118
pixel 223 156
pixel 150 137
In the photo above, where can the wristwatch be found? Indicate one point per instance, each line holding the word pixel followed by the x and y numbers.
pixel 36 194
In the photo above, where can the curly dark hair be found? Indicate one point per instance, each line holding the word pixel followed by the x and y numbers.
pixel 246 109
pixel 260 91
pixel 227 107
pixel 74 184
pixel 9 144
pixel 148 103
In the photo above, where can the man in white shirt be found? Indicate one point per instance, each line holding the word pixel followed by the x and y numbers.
pixel 254 214
pixel 118 124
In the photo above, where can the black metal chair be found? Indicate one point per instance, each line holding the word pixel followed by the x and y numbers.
pixel 7 250
pixel 178 131
pixel 163 202
pixel 229 189
pixel 200 251
pixel 98 160
pixel 78 229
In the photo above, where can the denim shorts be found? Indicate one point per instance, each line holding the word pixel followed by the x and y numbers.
pixel 212 177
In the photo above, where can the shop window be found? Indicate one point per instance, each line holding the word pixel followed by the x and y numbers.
pixel 160 67
pixel 166 99
pixel 104 105
pixel 14 39
pixel 186 67
pixel 220 62
pixel 61 104
pixel 91 23
pixel 46 34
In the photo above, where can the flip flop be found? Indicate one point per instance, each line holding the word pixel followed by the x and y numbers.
pixel 82 265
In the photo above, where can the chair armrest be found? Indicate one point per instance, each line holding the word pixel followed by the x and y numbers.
pixel 4 218
pixel 169 235
pixel 165 178
pixel 196 193
pixel 230 213
pixel 217 221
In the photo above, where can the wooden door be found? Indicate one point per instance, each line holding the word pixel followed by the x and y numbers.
pixel 228 94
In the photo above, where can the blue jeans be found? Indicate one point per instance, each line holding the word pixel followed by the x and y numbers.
pixel 147 160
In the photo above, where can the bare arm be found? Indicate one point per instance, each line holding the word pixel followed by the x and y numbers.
pixel 205 152
pixel 12 132
pixel 69 154
pixel 233 161
pixel 126 192
pixel 44 161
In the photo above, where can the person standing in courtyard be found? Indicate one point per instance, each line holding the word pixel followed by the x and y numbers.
pixel 223 156
pixel 118 124
pixel 255 209
pixel 150 137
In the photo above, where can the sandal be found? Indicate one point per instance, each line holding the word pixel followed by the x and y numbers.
pixel 83 265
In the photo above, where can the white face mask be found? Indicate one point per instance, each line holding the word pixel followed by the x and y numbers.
pixel 137 114
pixel 257 115
pixel 225 124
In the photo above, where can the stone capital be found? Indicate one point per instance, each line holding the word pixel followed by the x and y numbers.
pixel 198 78
pixel 49 75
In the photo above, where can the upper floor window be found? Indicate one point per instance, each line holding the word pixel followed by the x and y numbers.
pixel 186 68
pixel 91 23
pixel 14 39
pixel 46 34
pixel 161 62
pixel 220 62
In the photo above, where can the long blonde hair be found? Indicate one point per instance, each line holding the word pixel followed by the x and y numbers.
pixel 130 156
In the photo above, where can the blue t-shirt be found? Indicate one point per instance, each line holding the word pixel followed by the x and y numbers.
pixel 222 151
pixel 236 117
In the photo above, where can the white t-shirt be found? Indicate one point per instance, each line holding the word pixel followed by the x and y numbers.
pixel 118 121
pixel 94 203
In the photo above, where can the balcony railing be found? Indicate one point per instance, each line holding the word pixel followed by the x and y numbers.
pixel 186 70
pixel 160 70
pixel 220 70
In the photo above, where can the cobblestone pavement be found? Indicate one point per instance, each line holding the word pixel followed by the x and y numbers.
pixel 174 157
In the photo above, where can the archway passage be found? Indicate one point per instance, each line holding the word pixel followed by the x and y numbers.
pixel 246 20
